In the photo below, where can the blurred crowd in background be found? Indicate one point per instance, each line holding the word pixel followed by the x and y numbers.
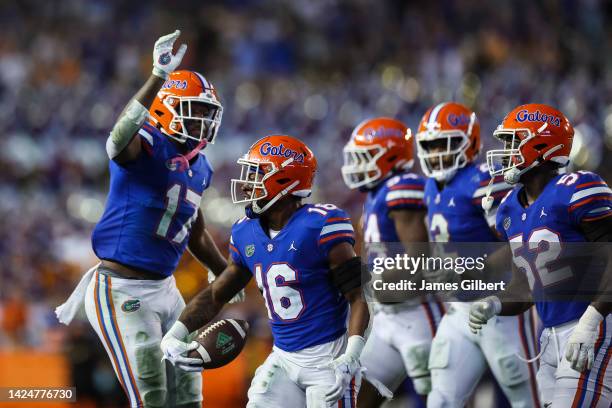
pixel 311 69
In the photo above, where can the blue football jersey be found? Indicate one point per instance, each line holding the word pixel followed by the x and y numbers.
pixel 150 208
pixel 292 271
pixel 567 201
pixel 404 191
pixel 455 214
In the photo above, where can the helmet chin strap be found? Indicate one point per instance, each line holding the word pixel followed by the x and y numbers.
pixel 269 204
pixel 512 176
pixel 181 162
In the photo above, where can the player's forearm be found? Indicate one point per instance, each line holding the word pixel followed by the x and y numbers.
pixel 360 315
pixel 146 94
pixel 605 308
pixel 200 310
pixel 121 145
pixel 204 249
pixel 514 308
pixel 209 302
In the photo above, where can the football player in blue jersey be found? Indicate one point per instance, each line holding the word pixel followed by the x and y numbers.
pixel 448 142
pixel 377 160
pixel 303 260
pixel 152 215
pixel 547 208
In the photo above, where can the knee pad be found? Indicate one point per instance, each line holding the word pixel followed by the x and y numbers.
pixel 436 399
pixel 440 352
pixel 188 387
pixel 151 375
pixel 416 359
pixel 315 396
pixel 510 371
pixel 260 385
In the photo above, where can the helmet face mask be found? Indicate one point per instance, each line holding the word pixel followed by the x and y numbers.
pixel 360 165
pixel 500 161
pixel 442 153
pixel 196 119
pixel 251 184
pixel 378 147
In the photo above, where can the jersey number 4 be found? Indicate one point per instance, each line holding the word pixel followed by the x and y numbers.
pixel 281 299
pixel 546 246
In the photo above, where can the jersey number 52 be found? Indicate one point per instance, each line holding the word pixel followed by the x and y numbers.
pixel 545 248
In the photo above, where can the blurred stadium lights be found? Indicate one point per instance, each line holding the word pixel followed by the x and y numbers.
pixel 388 104
pixel 350 113
pixel 391 76
pixel 315 107
pixel 100 115
pixel 248 95
pixel 409 89
pixel 469 89
pixel 87 206
pixel 570 108
pixel 219 209
pixel 283 91
pixel 22 153
pixel 586 153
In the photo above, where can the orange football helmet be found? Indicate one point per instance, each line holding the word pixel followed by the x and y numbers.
pixel 532 134
pixel 448 138
pixel 273 167
pixel 177 104
pixel 377 148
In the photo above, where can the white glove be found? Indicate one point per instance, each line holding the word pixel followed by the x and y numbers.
pixel 579 350
pixel 482 310
pixel 175 348
pixel 345 367
pixel 164 62
pixel 238 297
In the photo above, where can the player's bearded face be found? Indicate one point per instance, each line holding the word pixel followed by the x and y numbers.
pixel 442 145
pixel 196 126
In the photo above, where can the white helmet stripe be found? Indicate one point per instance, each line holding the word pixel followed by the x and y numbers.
pixel 433 118
pixel 204 81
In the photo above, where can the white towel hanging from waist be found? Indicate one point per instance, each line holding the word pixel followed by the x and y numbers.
pixel 67 310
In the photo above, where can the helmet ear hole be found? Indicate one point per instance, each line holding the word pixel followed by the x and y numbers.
pixel 158 112
pixel 392 158
pixel 283 181
pixel 540 146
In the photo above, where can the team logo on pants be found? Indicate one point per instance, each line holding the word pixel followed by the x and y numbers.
pixel 130 305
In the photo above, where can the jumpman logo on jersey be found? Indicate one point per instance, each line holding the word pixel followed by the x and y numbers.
pixel 542 213
pixel 292 247
pixel 451 202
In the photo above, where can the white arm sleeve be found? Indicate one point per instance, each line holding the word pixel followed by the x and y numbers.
pixel 125 128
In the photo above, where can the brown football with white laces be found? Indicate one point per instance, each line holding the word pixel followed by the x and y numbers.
pixel 220 342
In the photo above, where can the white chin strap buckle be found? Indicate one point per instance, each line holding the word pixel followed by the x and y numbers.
pixel 512 176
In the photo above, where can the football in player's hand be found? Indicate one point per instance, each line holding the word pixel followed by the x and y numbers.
pixel 220 342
